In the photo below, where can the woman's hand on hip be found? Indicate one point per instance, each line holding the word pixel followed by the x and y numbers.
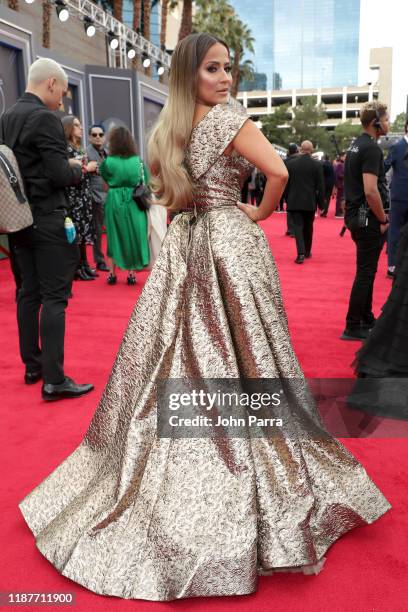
pixel 251 211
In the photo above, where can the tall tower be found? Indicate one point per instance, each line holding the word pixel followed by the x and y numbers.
pixel 304 43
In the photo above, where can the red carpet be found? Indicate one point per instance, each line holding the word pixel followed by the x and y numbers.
pixel 365 571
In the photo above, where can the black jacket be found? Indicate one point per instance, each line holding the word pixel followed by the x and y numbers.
pixel 305 187
pixel 37 138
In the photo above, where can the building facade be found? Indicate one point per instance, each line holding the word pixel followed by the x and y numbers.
pixel 304 43
pixel 98 92
pixel 340 103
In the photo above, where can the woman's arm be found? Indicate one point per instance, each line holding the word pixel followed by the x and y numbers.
pixel 252 144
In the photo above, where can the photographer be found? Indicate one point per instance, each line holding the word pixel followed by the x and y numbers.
pixel 367 204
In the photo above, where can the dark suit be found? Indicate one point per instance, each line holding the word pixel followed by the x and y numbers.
pixel 304 191
pixel 47 261
pixel 397 159
pixel 328 174
pixel 98 201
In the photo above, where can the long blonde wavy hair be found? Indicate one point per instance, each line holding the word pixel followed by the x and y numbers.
pixel 170 181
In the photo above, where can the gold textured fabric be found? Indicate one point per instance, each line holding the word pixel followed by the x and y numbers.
pixel 135 516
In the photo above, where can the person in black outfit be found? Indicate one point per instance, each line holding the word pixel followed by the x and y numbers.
pixel 292 152
pixel 366 186
pixel 96 152
pixel 46 259
pixel 328 176
pixel 305 190
pixel 382 362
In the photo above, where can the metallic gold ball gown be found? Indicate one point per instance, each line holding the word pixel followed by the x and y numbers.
pixel 137 516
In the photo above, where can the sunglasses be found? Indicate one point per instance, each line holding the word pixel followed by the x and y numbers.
pixel 96 134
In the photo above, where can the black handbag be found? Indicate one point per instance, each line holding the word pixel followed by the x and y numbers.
pixel 141 193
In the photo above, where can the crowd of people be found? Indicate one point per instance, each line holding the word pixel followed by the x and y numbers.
pixel 371 195
pixel 312 193
pixel 201 307
pixel 104 197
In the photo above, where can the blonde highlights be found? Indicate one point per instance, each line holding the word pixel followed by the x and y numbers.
pixel 170 181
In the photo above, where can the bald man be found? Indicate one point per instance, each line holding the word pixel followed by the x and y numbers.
pixel 46 259
pixel 304 192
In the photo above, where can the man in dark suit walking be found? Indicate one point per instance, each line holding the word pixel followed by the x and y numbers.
pixel 305 190
pixel 46 258
pixel 397 159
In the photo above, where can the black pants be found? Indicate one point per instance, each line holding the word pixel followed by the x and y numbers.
pixel 302 221
pixel 289 223
pixel 47 262
pixel 369 242
pixel 97 216
pixel 328 190
pixel 340 201
pixel 15 268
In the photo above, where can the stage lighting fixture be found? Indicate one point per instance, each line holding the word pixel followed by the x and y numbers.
pixel 89 27
pixel 29 1
pixel 62 10
pixel 146 60
pixel 131 51
pixel 160 69
pixel 113 41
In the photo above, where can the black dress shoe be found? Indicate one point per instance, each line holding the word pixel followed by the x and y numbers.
pixel 358 333
pixel 83 275
pixel 102 266
pixel 308 255
pixel 300 259
pixel 30 378
pixel 66 389
pixel 90 271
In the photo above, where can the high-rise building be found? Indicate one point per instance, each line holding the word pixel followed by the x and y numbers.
pixel 306 43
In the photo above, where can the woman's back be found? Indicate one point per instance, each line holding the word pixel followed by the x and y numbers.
pixel 122 171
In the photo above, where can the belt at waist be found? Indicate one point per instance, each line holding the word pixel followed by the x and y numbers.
pixel 200 210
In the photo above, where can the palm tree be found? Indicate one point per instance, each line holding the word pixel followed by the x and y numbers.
pixel 118 9
pixel 246 71
pixel 137 14
pixel 137 17
pixel 163 24
pixel 241 40
pixel 186 26
pixel 146 18
pixel 46 22
pixel 218 17
pixel 146 28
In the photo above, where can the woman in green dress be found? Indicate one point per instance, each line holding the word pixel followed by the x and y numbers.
pixel 126 224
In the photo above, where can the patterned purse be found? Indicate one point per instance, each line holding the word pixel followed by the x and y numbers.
pixel 15 211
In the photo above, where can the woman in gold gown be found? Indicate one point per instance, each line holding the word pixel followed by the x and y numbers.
pixel 136 515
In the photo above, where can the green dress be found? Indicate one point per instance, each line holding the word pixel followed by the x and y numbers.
pixel 126 224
